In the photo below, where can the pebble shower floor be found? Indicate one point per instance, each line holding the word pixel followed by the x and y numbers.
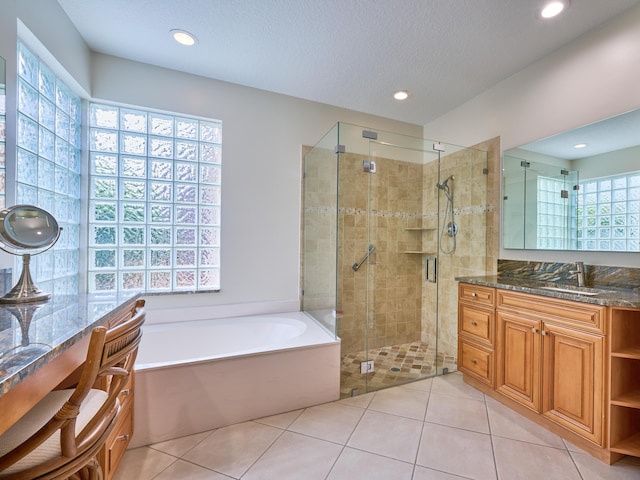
pixel 393 365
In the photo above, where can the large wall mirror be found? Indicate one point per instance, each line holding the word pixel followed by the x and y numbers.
pixel 578 190
pixel 2 132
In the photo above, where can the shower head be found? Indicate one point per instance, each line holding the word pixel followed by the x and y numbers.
pixel 443 184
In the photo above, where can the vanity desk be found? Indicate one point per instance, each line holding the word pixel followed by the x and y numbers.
pixel 42 343
pixel 566 357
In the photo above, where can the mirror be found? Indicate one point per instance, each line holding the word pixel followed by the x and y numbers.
pixel 27 230
pixel 579 190
pixel 2 130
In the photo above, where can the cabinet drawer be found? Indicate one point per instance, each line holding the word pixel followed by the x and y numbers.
pixel 476 294
pixel 119 440
pixel 127 392
pixel 476 361
pixel 576 314
pixel 476 321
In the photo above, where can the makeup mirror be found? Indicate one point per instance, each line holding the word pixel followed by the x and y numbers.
pixel 27 230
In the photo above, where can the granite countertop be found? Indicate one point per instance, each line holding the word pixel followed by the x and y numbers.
pixel 33 334
pixel 605 295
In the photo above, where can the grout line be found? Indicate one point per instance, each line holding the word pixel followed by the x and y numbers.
pixel 282 431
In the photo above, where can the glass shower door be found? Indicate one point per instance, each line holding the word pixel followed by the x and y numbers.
pixel 378 264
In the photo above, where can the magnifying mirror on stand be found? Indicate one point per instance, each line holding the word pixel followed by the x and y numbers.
pixel 27 230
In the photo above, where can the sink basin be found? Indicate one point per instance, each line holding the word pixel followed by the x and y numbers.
pixel 572 291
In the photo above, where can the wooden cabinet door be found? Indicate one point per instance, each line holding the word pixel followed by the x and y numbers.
pixel 518 359
pixel 573 380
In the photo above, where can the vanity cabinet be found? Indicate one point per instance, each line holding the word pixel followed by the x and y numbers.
pixel 476 327
pixel 570 366
pixel 548 364
pixel 624 404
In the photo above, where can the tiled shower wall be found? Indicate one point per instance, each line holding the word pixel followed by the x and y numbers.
pixel 470 199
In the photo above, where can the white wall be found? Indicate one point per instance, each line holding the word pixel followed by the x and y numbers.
pixel 262 137
pixel 594 77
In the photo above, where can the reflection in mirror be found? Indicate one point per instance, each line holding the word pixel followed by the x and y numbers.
pixel 578 190
pixel 2 132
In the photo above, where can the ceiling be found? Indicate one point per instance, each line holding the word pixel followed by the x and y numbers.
pixel 611 134
pixel 348 53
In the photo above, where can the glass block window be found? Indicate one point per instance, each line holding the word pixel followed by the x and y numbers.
pixel 609 213
pixel 48 166
pixel 553 214
pixel 154 201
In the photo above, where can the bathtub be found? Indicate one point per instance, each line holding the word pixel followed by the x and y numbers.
pixel 193 376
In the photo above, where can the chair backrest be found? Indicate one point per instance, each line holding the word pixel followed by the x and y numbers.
pixel 111 358
pixel 108 366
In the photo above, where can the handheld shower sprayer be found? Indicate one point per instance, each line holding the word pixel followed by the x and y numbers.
pixel 449 226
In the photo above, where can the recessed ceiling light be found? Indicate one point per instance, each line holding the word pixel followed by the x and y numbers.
pixel 580 145
pixel 401 95
pixel 553 8
pixel 183 38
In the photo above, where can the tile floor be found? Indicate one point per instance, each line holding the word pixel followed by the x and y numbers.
pixel 394 365
pixel 434 429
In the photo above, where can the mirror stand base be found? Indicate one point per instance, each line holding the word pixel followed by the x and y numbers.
pixel 25 290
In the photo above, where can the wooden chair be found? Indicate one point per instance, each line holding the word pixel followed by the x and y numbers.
pixel 62 435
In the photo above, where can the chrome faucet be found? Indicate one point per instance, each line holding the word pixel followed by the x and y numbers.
pixel 579 271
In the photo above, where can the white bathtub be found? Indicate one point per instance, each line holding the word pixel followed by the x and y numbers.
pixel 194 376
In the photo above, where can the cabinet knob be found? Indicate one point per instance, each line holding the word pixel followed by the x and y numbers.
pixel 543 332
pixel 534 329
pixel 474 323
pixel 474 361
pixel 123 438
pixel 474 294
pixel 125 392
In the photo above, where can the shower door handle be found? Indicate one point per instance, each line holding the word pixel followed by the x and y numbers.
pixel 426 270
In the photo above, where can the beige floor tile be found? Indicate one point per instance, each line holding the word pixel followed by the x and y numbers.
pixel 404 402
pixel 184 470
pixel 506 423
pixel 388 435
pixel 282 420
pixel 456 451
pixel 593 469
pixel 361 401
pixel 422 473
pixel 453 385
pixel 331 421
pixel 179 446
pixel 294 456
pixel 142 464
pixel 232 450
pixel 424 385
pixel 358 465
pixel 458 412
pixel 526 461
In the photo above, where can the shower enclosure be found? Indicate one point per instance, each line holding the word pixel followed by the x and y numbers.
pixel 389 222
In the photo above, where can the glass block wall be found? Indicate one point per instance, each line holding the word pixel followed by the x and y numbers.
pixel 48 166
pixel 554 215
pixel 608 217
pixel 154 201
